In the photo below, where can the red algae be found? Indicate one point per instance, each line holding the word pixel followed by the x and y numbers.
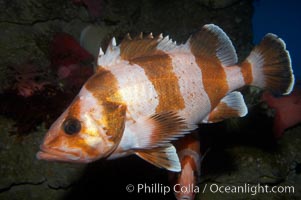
pixel 287 110
pixel 39 94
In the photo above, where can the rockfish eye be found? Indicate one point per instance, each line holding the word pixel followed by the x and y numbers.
pixel 71 126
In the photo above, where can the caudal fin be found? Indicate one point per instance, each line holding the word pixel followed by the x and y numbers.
pixel 269 66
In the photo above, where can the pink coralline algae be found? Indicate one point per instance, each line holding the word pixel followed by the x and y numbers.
pixel 71 63
pixel 287 110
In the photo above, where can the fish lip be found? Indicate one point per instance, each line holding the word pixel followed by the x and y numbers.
pixel 57 155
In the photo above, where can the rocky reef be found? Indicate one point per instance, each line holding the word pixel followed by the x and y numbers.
pixel 236 155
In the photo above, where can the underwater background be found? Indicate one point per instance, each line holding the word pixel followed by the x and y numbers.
pixel 282 19
pixel 48 49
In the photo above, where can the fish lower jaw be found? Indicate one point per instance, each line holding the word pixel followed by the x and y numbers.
pixel 53 155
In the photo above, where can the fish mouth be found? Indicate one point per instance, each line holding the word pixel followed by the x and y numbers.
pixel 50 154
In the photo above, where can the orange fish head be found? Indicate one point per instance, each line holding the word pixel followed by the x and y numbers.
pixel 85 132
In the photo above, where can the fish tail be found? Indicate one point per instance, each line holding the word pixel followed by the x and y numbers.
pixel 269 66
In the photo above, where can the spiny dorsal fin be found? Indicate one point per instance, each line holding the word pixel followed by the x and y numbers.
pixel 163 157
pixel 232 105
pixel 111 57
pixel 138 47
pixel 212 42
pixel 159 129
pixel 167 44
pixel 131 49
pixel 150 36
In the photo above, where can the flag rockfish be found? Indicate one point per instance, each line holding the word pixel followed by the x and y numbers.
pixel 148 91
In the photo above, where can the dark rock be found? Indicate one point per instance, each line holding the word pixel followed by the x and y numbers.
pixel 215 4
pixel 25 177
pixel 248 167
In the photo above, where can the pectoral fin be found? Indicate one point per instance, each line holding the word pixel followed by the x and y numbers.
pixel 159 129
pixel 162 157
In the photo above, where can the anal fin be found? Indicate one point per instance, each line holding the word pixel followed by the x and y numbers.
pixel 163 157
pixel 232 105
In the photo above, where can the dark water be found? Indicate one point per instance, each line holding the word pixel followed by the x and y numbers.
pixel 284 19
